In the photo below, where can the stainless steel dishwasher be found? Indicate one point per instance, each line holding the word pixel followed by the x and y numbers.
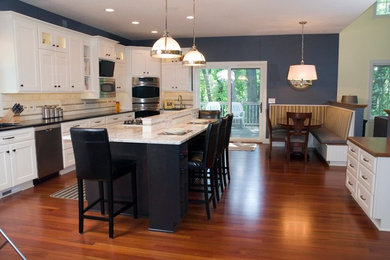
pixel 48 146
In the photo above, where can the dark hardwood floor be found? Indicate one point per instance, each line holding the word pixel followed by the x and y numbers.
pixel 271 210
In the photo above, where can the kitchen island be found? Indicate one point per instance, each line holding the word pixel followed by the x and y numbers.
pixel 162 176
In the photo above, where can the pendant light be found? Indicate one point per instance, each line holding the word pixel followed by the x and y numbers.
pixel 301 76
pixel 193 57
pixel 166 47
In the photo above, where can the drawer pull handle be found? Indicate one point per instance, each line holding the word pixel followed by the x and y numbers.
pixel 351 165
pixel 364 177
pixel 364 159
pixel 7 138
pixel 350 183
pixel 76 126
pixel 363 198
pixel 97 122
pixel 352 150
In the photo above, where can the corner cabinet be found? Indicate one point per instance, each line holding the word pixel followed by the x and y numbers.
pixel 19 54
pixel 18 159
pixel 368 178
pixel 142 64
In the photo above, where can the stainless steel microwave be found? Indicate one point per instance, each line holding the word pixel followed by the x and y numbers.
pixel 107 87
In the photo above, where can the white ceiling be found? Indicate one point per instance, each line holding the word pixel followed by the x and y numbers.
pixel 213 17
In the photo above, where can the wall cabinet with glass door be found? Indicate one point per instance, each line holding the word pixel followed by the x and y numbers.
pixel 19 54
pixel 52 39
pixel 142 65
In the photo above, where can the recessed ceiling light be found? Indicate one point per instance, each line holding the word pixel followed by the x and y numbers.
pixel 154 31
pixel 109 10
pixel 135 22
pixel 190 17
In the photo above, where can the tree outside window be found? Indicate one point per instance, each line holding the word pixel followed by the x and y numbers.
pixel 380 97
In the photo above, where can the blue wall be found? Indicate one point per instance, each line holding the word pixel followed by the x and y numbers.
pixel 280 51
pixel 32 11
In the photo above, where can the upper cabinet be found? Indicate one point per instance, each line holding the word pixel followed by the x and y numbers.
pixel 119 53
pixel 142 64
pixel 19 54
pixel 54 71
pixel 175 76
pixel 106 48
pixel 52 39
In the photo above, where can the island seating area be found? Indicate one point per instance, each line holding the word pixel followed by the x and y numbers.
pixel 335 125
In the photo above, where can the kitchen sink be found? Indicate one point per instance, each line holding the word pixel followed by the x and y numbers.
pixel 2 125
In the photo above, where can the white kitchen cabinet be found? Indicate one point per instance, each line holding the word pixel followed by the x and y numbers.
pixel 54 72
pixel 175 77
pixel 53 39
pixel 76 64
pixel 67 148
pixel 119 53
pixel 120 76
pixel 114 120
pixel 19 54
pixel 18 158
pixel 368 178
pixel 142 65
pixel 106 48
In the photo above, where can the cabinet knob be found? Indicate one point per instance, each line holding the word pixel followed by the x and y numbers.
pixel 72 86
pixel 7 151
pixel 53 45
pixel 21 85
pixel 55 86
pixel 13 150
pixel 59 86
pixel 57 45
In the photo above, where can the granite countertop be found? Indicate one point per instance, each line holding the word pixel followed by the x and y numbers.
pixel 376 146
pixel 41 122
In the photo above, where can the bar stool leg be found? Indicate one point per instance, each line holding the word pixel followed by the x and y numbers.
pixel 101 194
pixel 134 192
pixel 227 162
pixel 81 205
pixel 110 209
pixel 206 191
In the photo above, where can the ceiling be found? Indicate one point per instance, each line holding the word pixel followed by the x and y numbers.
pixel 214 18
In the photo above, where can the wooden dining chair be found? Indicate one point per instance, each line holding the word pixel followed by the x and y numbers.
pixel 298 132
pixel 276 134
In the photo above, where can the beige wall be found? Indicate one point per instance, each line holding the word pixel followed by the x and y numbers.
pixel 364 40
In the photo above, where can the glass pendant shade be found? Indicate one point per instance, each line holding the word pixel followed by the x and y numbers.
pixel 301 75
pixel 166 48
pixel 194 58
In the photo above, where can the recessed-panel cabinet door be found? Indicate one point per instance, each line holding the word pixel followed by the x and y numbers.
pixel 5 170
pixel 47 70
pixel 76 69
pixel 62 74
pixel 27 56
pixel 23 162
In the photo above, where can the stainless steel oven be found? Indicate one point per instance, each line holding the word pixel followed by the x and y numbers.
pixel 107 87
pixel 146 94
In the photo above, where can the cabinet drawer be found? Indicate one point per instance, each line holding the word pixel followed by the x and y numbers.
pixel 367 178
pixel 98 122
pixel 367 160
pixel 128 116
pixel 68 157
pixel 351 183
pixel 364 198
pixel 352 165
pixel 12 136
pixel 353 150
pixel 65 127
pixel 117 119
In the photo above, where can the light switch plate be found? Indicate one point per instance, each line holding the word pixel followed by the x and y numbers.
pixel 271 101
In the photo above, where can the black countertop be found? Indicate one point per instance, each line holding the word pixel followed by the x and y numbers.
pixel 42 122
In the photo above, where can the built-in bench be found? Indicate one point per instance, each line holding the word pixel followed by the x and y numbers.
pixel 330 140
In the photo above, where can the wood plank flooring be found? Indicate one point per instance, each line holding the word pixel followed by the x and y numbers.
pixel 271 210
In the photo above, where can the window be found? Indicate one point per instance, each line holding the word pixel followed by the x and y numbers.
pixel 380 92
pixel 382 7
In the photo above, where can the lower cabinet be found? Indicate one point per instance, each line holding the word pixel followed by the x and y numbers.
pixel 18 158
pixel 368 180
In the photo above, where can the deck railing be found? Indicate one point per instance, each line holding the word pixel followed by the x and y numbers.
pixel 251 111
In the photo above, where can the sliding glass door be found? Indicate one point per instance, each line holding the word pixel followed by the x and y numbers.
pixel 238 88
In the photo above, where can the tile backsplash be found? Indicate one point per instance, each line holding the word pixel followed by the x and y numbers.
pixel 71 103
pixel 187 98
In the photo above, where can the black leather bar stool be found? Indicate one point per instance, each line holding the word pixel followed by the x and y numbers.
pixel 209 114
pixel 94 163
pixel 220 181
pixel 201 166
pixel 225 157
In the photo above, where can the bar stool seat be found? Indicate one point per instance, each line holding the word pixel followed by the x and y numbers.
pixel 94 162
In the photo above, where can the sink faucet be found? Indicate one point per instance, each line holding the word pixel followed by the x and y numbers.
pixel 180 98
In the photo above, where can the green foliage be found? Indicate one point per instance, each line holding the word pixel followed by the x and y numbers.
pixel 380 96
